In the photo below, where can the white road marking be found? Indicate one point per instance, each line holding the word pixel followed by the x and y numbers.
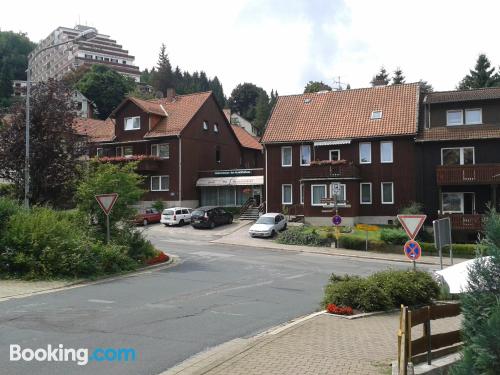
pixel 100 301
pixel 296 276
pixel 225 313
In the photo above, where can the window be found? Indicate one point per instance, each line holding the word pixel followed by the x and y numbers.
pixel 302 193
pixel 160 183
pixel 161 150
pixel 387 193
pixel 217 154
pixel 365 153
pixel 128 151
pixel 305 155
pixel 341 195
pixel 386 152
pixel 318 192
pixel 99 152
pixel 376 115
pixel 454 117
pixel 473 116
pixel 365 193
pixel 216 128
pixel 457 156
pixel 334 155
pixel 453 202
pixel 119 151
pixel 286 194
pixel 286 156
pixel 205 125
pixel 132 123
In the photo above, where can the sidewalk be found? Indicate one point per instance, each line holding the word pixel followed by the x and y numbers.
pixel 323 344
pixel 11 288
pixel 240 237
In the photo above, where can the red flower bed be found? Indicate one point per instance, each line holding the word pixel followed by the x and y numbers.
pixel 339 310
pixel 328 162
pixel 160 258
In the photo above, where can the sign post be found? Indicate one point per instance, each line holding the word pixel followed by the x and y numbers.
pixel 442 237
pixel 412 224
pixel 106 202
pixel 367 228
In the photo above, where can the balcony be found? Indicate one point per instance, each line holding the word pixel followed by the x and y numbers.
pixel 471 174
pixel 145 163
pixel 331 170
pixel 472 222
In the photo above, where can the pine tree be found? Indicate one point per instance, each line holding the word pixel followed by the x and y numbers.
pixel 381 78
pixel 398 77
pixel 481 308
pixel 216 88
pixel 262 111
pixel 162 79
pixel 315 86
pixel 481 76
pixel 425 86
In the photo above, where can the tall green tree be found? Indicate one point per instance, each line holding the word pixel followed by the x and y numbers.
pixel 398 77
pixel 216 87
pixel 262 111
pixel 243 99
pixel 315 86
pixel 162 78
pixel 425 86
pixel 481 308
pixel 381 78
pixel 482 75
pixel 105 87
pixel 55 146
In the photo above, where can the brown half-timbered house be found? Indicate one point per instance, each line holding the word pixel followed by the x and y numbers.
pixel 362 139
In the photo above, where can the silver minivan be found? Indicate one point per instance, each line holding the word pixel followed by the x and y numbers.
pixel 176 216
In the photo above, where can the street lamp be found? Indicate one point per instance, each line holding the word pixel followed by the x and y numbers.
pixel 85 35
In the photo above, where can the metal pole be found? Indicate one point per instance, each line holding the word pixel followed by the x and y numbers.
pixel 107 229
pixel 451 252
pixel 366 243
pixel 440 256
pixel 27 140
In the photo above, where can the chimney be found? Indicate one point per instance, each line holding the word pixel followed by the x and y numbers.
pixel 170 94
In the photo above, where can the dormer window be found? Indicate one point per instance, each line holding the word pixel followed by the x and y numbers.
pixel 473 116
pixel 454 117
pixel 376 115
pixel 205 125
pixel 132 123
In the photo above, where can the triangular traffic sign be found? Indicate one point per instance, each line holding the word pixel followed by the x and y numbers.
pixel 412 224
pixel 106 201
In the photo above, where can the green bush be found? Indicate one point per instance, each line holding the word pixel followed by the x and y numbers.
pixel 393 236
pixel 137 247
pixel 7 190
pixel 158 206
pixel 300 236
pixel 359 243
pixel 373 298
pixel 8 207
pixel 464 250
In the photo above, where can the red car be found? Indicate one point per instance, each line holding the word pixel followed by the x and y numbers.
pixel 147 216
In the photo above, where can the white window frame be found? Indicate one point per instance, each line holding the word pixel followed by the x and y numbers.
pixel 462 201
pixel 360 157
pixel 455 110
pixel 480 116
pixel 330 153
pixel 99 152
pixel 157 152
pixel 131 118
pixel 123 151
pixel 461 154
pixel 376 115
pixel 343 198
pixel 392 152
pixel 361 193
pixel 382 192
pixel 291 156
pixel 161 187
pixel 283 194
pixel 312 194
pixel 310 156
pixel 302 191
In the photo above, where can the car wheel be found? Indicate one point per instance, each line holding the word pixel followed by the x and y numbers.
pixel 273 233
pixel 145 222
pixel 166 225
pixel 212 225
pixel 230 220
pixel 181 222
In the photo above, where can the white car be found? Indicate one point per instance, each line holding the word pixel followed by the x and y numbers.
pixel 176 216
pixel 456 278
pixel 268 225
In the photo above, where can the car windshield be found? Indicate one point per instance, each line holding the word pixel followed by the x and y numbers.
pixel 198 213
pixel 168 212
pixel 265 220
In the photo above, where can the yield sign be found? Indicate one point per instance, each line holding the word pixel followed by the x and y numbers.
pixel 106 201
pixel 412 224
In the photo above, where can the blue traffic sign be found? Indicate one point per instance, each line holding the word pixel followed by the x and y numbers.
pixel 412 250
pixel 337 220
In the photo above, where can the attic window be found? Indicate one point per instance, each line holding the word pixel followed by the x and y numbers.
pixel 307 101
pixel 205 125
pixel 376 115
pixel 216 128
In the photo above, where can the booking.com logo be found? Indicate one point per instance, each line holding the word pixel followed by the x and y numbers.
pixel 81 356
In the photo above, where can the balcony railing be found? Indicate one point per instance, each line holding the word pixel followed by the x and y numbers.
pixel 340 171
pixel 468 174
pixel 465 221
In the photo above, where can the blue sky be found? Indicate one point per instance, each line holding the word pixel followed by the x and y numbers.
pixel 282 44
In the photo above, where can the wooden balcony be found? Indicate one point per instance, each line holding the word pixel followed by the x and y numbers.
pixel 152 165
pixel 471 174
pixel 472 222
pixel 346 171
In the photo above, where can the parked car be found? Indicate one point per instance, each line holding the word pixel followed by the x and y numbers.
pixel 456 278
pixel 210 217
pixel 147 216
pixel 268 225
pixel 176 216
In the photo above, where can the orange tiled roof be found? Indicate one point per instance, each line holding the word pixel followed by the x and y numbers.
pixel 344 114
pixel 457 133
pixel 246 139
pixel 96 130
pixel 463 95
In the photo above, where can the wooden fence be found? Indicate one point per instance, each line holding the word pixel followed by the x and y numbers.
pixel 429 346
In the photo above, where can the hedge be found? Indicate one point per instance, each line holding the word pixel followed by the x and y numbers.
pixel 297 236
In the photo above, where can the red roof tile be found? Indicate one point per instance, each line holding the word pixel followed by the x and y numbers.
pixel 246 139
pixel 344 114
pixel 96 130
pixel 457 133
pixel 463 95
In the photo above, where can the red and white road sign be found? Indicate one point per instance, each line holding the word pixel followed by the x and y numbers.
pixel 412 224
pixel 106 201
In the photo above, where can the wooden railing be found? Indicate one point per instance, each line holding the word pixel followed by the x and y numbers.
pixel 468 174
pixel 465 221
pixel 429 346
pixel 331 171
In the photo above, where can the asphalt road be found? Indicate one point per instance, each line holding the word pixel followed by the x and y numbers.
pixel 216 293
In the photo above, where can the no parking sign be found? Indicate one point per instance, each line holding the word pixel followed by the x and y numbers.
pixel 412 250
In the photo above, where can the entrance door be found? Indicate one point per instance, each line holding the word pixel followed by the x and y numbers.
pixel 257 194
pixel 469 203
